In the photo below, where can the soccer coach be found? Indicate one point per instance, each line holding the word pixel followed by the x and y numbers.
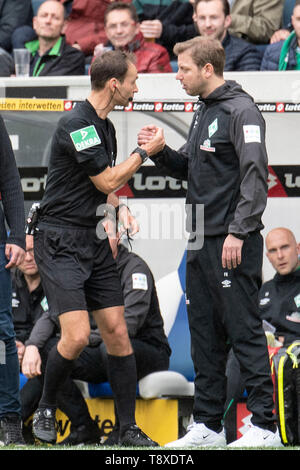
pixel 76 267
pixel 225 164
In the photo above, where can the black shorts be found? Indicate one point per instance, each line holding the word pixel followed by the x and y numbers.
pixel 77 269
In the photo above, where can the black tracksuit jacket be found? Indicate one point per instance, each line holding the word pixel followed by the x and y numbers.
pixel 224 161
pixel 279 304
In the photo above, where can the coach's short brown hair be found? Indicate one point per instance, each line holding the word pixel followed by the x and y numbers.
pixel 204 51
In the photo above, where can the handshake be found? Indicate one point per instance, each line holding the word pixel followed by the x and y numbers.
pixel 151 139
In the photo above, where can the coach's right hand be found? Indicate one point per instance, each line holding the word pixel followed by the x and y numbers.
pixel 152 139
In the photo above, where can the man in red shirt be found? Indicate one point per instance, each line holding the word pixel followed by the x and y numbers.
pixel 123 32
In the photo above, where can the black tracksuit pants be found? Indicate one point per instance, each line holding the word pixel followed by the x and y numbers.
pixel 222 309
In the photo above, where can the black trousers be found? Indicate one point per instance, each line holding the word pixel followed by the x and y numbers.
pixel 223 312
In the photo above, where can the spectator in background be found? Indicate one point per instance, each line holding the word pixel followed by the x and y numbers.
pixel 28 300
pixel 50 55
pixel 83 29
pixel 286 26
pixel 279 302
pixel 85 25
pixel 12 252
pixel 285 54
pixel 28 305
pixel 13 13
pixel 123 31
pixel 166 21
pixel 255 20
pixel 7 66
pixel 213 20
pixel 280 297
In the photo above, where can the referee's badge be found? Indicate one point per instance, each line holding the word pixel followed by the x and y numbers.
pixel 139 281
pixel 85 138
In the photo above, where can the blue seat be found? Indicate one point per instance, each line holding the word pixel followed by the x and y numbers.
pixel 23 380
pixel 180 360
pixel 179 336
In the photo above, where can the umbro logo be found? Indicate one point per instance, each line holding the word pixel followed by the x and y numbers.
pixel 226 283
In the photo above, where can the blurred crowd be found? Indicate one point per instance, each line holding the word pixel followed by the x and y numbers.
pixel 64 36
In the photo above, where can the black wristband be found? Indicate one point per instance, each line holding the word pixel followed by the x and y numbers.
pixel 143 154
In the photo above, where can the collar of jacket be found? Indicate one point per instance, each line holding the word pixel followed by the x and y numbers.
pixel 21 283
pixel 122 256
pixel 226 39
pixel 217 93
pixel 133 45
pixel 33 47
pixel 289 44
pixel 288 277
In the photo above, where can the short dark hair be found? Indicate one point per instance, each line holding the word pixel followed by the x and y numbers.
pixel 225 3
pixel 111 64
pixel 121 6
pixel 204 51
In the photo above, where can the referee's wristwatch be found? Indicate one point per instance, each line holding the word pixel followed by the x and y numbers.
pixel 144 155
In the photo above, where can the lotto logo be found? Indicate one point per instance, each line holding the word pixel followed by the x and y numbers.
pixel 158 107
pixel 129 107
pixel 280 107
pixel 68 105
pixel 188 107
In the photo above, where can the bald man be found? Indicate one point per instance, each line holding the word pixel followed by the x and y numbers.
pixel 50 55
pixel 279 303
pixel 279 299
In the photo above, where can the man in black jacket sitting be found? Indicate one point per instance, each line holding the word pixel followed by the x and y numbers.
pixel 279 299
pixel 213 19
pixel 50 55
pixel 279 302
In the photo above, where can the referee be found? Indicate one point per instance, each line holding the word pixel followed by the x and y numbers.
pixel 76 267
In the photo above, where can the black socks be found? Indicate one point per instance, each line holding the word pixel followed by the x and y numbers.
pixel 123 381
pixel 57 370
pixel 122 377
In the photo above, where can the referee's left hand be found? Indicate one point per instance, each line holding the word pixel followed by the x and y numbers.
pixel 128 221
pixel 232 252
